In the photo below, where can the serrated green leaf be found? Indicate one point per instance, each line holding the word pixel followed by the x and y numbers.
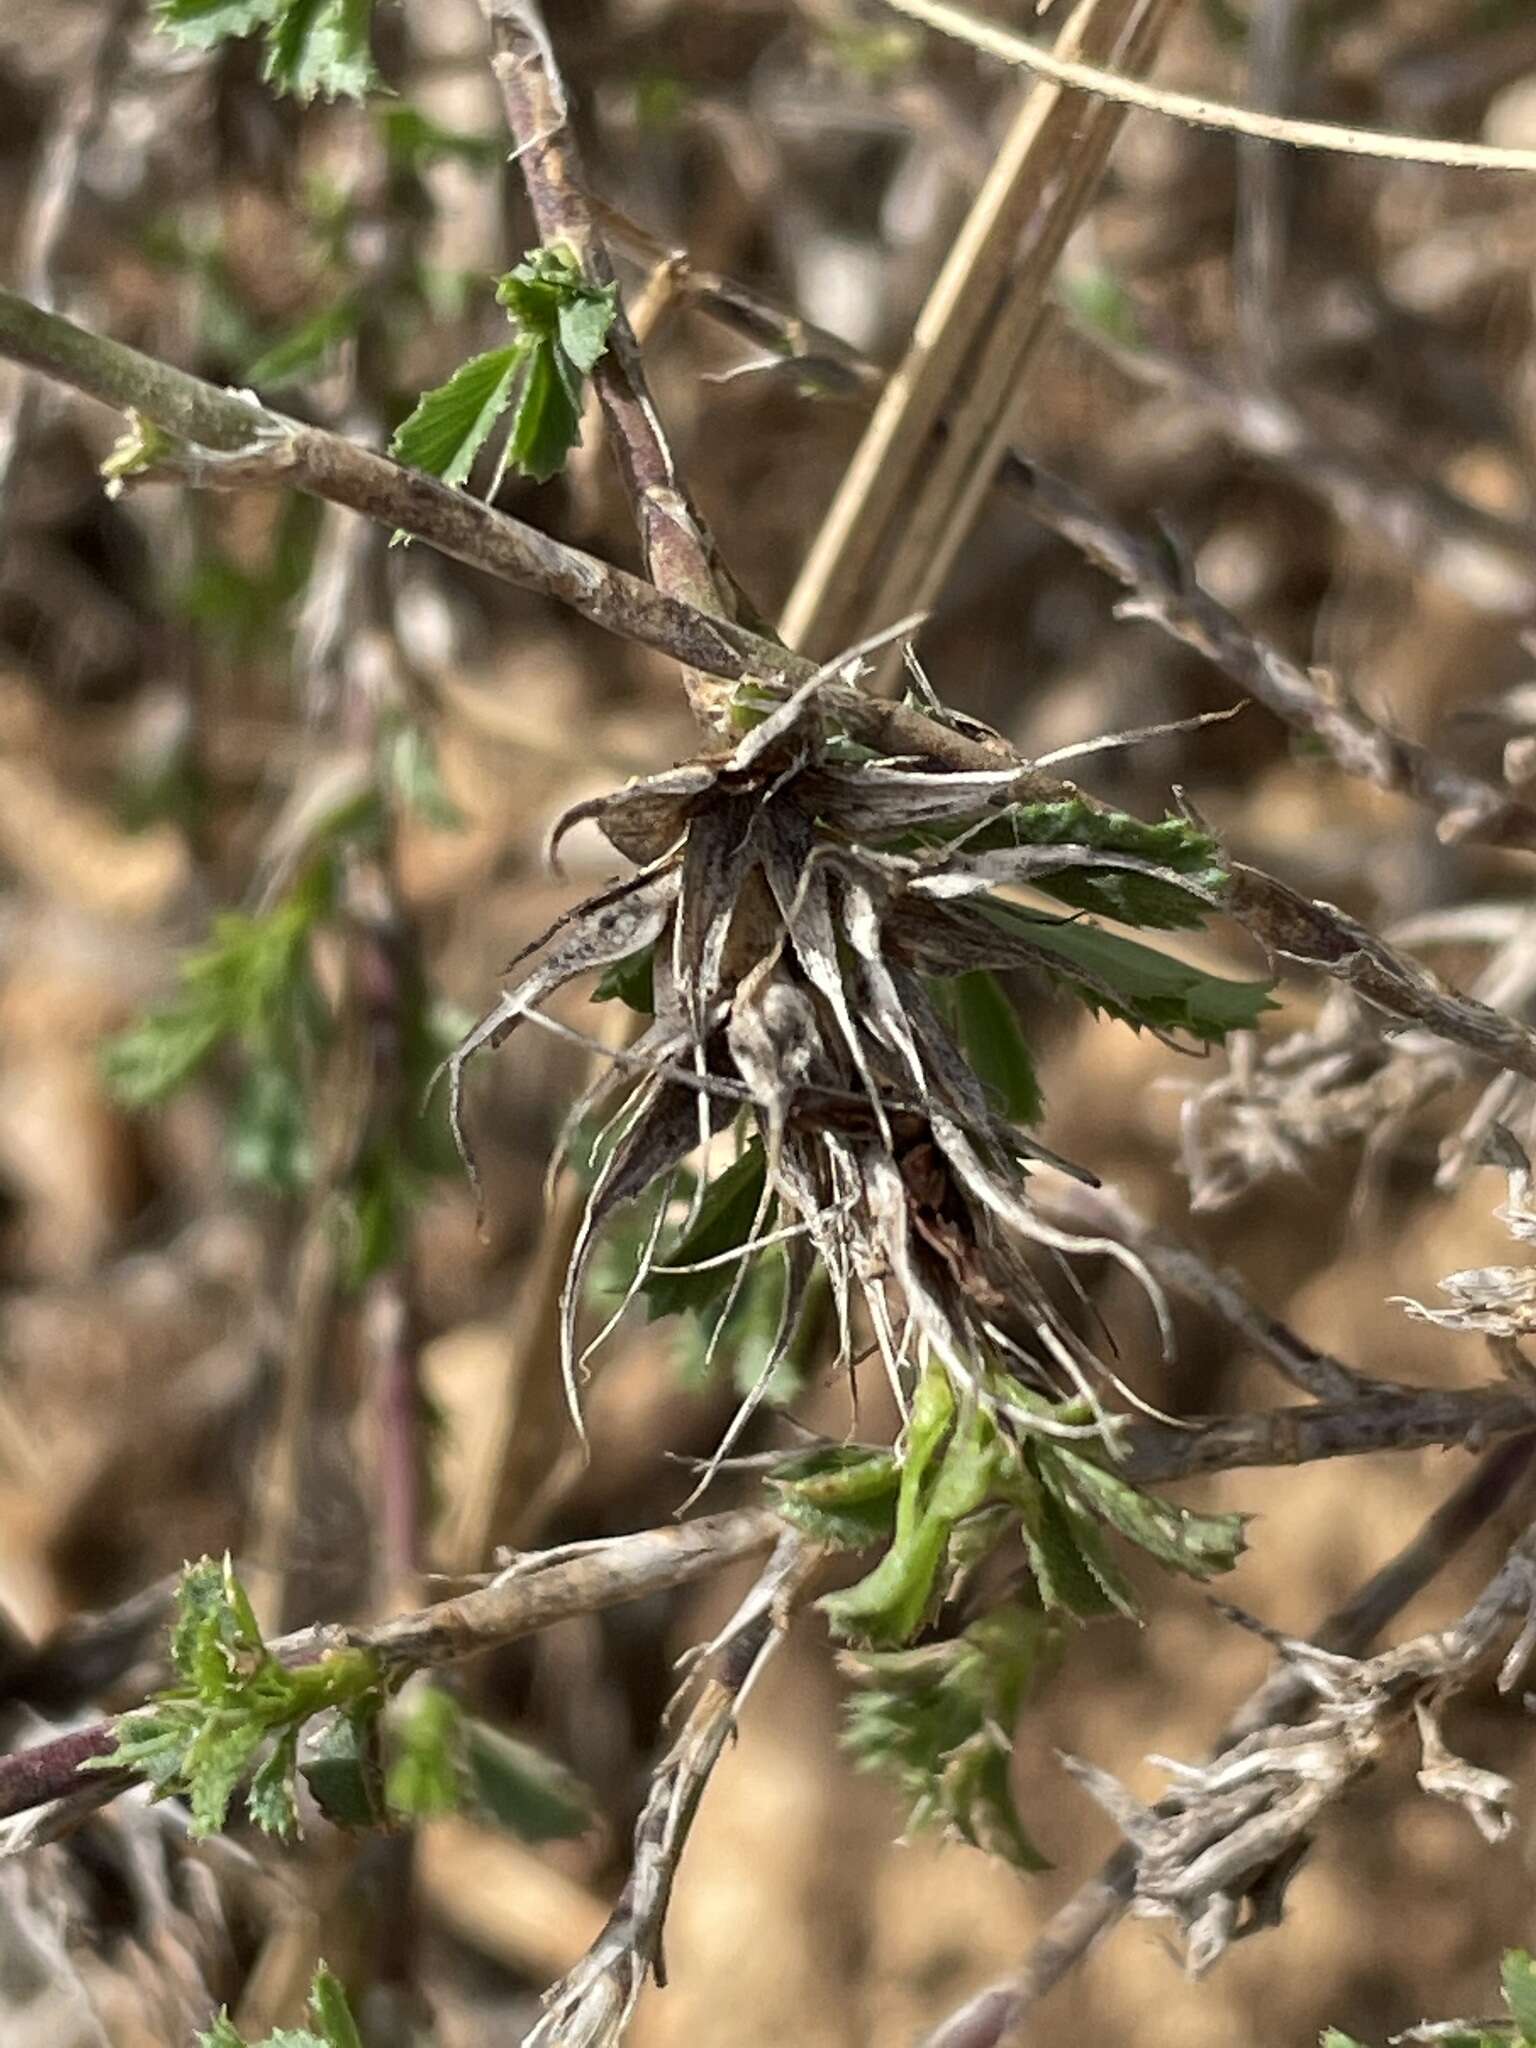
pixel 1332 2038
pixel 584 320
pixel 1134 899
pixel 843 1496
pixel 1201 1546
pixel 294 355
pixel 216 1759
pixel 333 2015
pixel 344 1773
pixel 994 1044
pixel 520 1788
pixel 1136 983
pixel 451 424
pixel 547 423
pixel 222 2034
pixel 724 1221
pixel 1070 1564
pixel 937 1719
pixel 271 1800
pixel 1517 1976
pixel 155 1057
pixel 321 47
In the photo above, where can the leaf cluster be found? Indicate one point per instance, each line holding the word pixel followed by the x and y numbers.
pixel 958 1486
pixel 237 1711
pixel 937 1721
pixel 310 47
pixel 333 2025
pixel 561 321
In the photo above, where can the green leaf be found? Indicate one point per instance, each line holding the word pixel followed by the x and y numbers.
pixel 889 1606
pixel 270 1801
pixel 343 1771
pixel 938 1720
pixel 1202 1546
pixel 312 46
pixel 268 1141
pixel 155 1057
pixel 630 981
pixel 844 1496
pixel 413 769
pixel 333 2015
pixel 294 355
pixel 328 2008
pixel 426 1740
pixel 1517 1975
pixel 221 2034
pixel 452 423
pixel 1332 2038
pixel 1068 1560
pixel 520 1788
pixel 993 1042
pixel 724 1221
pixel 414 140
pixel 322 47
pixel 547 423
pixel 1121 893
pixel 1136 983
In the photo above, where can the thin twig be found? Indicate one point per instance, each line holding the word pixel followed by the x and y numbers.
pixel 998 41
pixel 516 1603
pixel 679 553
pixel 45 222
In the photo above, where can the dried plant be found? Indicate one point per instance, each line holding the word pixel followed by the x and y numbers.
pixel 820 1138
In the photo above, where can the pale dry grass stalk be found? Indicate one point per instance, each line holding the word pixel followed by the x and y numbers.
pixel 899 512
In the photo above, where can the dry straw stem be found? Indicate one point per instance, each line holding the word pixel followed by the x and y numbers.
pixel 897 502
pixel 997 2017
pixel 996 41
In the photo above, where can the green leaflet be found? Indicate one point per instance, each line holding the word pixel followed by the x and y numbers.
pixel 940 1482
pixel 843 1496
pixel 453 422
pixel 521 1789
pixel 334 2026
pixel 631 982
pixel 562 321
pixel 1133 899
pixel 724 1221
pixel 313 47
pixel 1517 1977
pixel 1136 983
pixel 293 356
pixel 954 1462
pixel 938 1721
pixel 1201 1546
pixel 994 1044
